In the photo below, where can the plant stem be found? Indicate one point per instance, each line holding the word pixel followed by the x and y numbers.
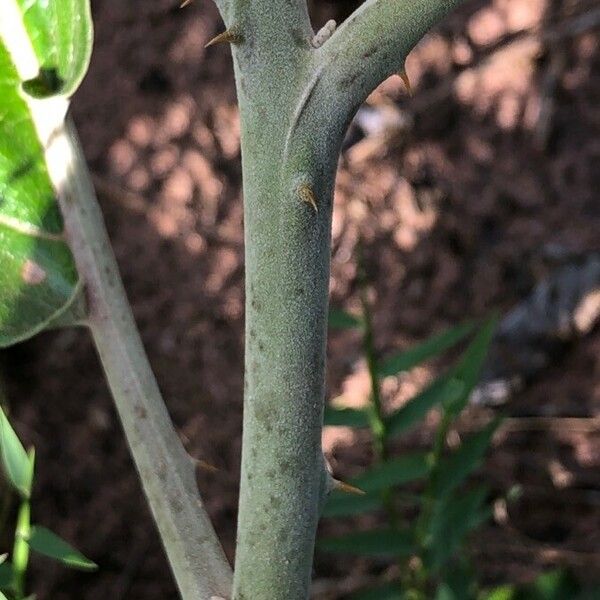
pixel 166 470
pixel 20 555
pixel 376 415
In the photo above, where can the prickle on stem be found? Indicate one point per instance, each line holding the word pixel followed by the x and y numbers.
pixel 341 486
pixel 229 36
pixel 323 34
pixel 307 195
pixel 405 79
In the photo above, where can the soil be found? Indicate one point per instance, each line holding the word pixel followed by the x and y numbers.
pixel 461 203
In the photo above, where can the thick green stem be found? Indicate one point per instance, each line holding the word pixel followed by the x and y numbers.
pixel 295 104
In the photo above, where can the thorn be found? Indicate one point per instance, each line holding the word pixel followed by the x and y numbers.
pixel 204 466
pixel 185 3
pixel 307 195
pixel 404 76
pixel 347 488
pixel 229 36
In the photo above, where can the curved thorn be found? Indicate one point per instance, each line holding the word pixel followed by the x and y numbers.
pixel 229 36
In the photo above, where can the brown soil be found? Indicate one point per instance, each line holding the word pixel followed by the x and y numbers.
pixel 458 209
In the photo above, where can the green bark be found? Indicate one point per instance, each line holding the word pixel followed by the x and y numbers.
pixel 295 104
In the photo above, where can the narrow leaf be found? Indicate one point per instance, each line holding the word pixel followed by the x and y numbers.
pixel 442 390
pixel 388 591
pixel 471 364
pixel 17 464
pixel 394 472
pixel 43 541
pixel 434 346
pixel 349 417
pixel 454 469
pixel 340 319
pixel 339 504
pixel 453 518
pixel 377 542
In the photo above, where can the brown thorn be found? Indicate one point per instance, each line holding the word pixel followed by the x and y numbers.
pixel 204 466
pixel 347 488
pixel 307 195
pixel 404 76
pixel 229 36
pixel 185 3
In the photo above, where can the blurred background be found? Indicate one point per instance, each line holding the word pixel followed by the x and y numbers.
pixel 479 191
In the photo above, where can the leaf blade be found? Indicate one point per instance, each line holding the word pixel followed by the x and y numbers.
pixel 45 542
pixel 434 346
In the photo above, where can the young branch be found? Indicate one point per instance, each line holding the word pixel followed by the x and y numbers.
pixel 166 470
pixel 368 47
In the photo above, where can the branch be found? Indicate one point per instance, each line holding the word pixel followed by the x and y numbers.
pixel 166 470
pixel 368 47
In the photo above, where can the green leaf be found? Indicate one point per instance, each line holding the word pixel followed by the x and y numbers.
pixel 340 504
pixel 349 417
pixel 471 363
pixel 3 597
pixel 452 519
pixel 340 319
pixel 504 592
pixel 377 542
pixel 43 541
pixel 6 575
pixel 393 472
pixel 434 346
pixel 553 585
pixel 442 390
pixel 387 591
pixel 61 35
pixel 38 279
pixel 16 463
pixel 456 467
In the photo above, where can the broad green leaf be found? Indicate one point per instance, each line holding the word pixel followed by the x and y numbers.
pixel 43 541
pixel 442 390
pixel 3 597
pixel 61 35
pixel 340 504
pixel 388 591
pixel 471 363
pixel 452 519
pixel 38 279
pixel 434 346
pixel 6 575
pixel 393 472
pixel 349 417
pixel 16 463
pixel 340 319
pixel 456 467
pixel 377 542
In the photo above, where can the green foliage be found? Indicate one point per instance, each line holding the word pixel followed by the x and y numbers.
pixel 376 542
pixel 18 468
pixel 447 505
pixel 18 465
pixel 38 279
pixel 43 541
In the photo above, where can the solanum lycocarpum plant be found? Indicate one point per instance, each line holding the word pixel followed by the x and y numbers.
pixel 298 90
pixel 18 468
